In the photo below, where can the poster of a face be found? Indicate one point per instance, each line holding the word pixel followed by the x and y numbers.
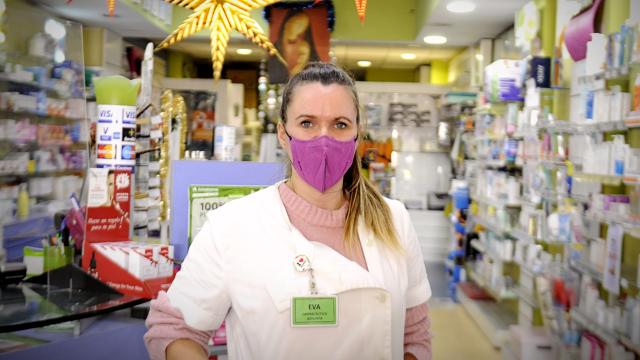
pixel 301 36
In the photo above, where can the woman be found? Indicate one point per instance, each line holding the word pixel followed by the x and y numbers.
pixel 317 267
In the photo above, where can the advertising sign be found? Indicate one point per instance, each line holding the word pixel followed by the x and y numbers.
pixel 204 198
pixel 116 136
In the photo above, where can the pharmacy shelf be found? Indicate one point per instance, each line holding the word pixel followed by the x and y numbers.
pixel 17 115
pixel 626 281
pixel 630 225
pixel 523 236
pixel 584 127
pixel 34 145
pixel 552 164
pixel 32 85
pixel 584 320
pixel 630 345
pixel 527 269
pixel 599 178
pixel 618 73
pixel 632 120
pixel 483 249
pixel 495 202
pixel 496 295
pixel 489 225
pixel 492 319
pixel 587 269
pixel 478 245
pixel 43 173
pixel 499 164
pixel 526 297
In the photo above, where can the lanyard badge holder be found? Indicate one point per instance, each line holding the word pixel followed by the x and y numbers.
pixel 312 310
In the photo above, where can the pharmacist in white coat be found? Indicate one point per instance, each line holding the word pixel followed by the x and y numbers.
pixel 320 266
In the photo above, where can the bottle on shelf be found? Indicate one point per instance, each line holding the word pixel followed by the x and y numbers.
pixel 23 202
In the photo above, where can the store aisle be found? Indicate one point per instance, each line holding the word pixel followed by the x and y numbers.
pixel 455 334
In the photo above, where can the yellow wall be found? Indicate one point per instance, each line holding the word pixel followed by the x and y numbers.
pixel 391 75
pixel 439 72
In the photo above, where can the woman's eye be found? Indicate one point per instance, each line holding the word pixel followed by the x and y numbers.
pixel 305 124
pixel 341 125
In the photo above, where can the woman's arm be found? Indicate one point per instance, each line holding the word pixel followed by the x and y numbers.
pixel 169 337
pixel 417 333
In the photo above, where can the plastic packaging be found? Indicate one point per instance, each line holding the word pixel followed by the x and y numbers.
pixel 618 154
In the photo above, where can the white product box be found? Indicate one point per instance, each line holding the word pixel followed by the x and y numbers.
pixel 141 263
pixel 164 260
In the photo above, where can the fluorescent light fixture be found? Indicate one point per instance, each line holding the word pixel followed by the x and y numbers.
pixel 408 56
pixel 364 63
pixel 55 29
pixel 244 51
pixel 461 6
pixel 435 39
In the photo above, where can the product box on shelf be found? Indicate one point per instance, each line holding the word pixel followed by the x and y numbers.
pixel 139 269
pixel 504 80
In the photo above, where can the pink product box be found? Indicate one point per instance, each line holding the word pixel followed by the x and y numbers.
pixel 608 202
pixel 24 132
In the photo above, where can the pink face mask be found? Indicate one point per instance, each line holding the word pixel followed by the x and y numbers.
pixel 322 161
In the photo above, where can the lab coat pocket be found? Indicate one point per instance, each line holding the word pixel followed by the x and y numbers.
pixel 282 288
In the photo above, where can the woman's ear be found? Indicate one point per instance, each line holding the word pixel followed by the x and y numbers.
pixel 283 138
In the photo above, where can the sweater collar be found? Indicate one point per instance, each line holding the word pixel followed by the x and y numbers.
pixel 299 208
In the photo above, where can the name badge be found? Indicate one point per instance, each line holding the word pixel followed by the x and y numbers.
pixel 314 311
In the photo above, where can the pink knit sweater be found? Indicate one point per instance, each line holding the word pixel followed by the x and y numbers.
pixel 166 324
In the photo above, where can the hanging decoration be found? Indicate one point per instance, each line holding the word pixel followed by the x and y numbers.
pixel 111 7
pixel 361 9
pixel 220 17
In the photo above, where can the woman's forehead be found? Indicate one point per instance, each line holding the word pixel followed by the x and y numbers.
pixel 319 97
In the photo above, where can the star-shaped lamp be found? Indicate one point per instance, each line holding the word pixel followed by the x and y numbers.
pixel 220 17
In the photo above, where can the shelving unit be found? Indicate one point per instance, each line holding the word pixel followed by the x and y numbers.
pixel 491 318
pixel 44 146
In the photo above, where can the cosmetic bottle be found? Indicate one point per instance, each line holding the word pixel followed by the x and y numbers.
pixel 23 202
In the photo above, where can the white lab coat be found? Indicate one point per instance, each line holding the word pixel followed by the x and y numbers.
pixel 240 268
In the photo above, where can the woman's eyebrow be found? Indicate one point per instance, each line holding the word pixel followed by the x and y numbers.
pixel 309 116
pixel 305 116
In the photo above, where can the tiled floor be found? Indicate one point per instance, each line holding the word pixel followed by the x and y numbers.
pixel 455 334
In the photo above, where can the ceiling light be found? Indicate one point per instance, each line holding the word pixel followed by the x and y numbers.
pixel 435 39
pixel 408 56
pixel 364 63
pixel 461 6
pixel 244 51
pixel 55 29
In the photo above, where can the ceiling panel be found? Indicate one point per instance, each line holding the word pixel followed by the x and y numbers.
pixel 489 19
pixel 127 22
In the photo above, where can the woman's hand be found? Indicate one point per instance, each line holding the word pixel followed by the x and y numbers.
pixel 409 356
pixel 186 349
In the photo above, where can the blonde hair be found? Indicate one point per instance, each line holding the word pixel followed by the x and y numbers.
pixel 364 200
